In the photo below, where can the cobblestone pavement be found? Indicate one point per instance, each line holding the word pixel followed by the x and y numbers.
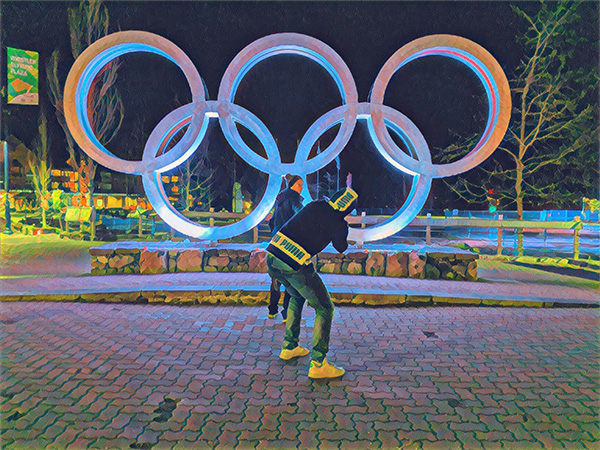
pixel 148 376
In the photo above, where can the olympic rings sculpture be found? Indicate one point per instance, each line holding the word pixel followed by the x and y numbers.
pixel 196 115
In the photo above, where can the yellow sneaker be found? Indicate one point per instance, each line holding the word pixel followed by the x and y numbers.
pixel 324 370
pixel 286 355
pixel 272 316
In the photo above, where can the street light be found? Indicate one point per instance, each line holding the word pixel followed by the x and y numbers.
pixel 8 228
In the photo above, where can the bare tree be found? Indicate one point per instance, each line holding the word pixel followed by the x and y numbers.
pixel 195 181
pixel 87 23
pixel 553 122
pixel 40 168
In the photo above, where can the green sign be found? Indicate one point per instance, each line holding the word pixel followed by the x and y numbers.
pixel 72 214
pixel 22 76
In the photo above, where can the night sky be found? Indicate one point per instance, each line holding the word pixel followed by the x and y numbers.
pixel 288 93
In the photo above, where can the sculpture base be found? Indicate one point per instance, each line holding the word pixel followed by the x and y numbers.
pixel 398 261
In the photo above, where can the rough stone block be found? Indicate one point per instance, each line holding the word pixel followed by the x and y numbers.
pixel 356 256
pixel 416 265
pixel 366 299
pixel 460 270
pixel 224 297
pixel 237 266
pixel 445 268
pixel 330 267
pixel 465 256
pixel 181 298
pixel 529 304
pixel 342 298
pixel 392 299
pixel 351 268
pixel 418 299
pixel 120 261
pixel 431 272
pixel 375 264
pixel 216 263
pixel 456 301
pixel 96 264
pixel 95 251
pixel 153 262
pixel 329 259
pixel 172 257
pixel 128 251
pixel 378 299
pixel 189 261
pixel 396 265
pixel 472 271
pixel 258 261
pixel 252 298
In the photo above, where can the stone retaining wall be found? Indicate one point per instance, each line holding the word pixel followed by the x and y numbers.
pixel 413 264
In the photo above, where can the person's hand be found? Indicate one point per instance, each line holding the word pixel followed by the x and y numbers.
pixel 349 180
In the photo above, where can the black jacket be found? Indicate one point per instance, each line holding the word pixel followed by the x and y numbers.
pixel 313 228
pixel 288 203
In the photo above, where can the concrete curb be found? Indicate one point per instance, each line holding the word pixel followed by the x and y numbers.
pixel 261 297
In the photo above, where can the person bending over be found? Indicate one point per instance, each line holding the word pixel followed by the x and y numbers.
pixel 289 262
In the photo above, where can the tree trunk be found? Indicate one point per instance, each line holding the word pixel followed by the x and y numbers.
pixel 43 217
pixel 520 207
pixel 93 214
pixel 519 189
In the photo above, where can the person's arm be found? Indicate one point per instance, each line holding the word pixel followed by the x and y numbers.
pixel 272 219
pixel 340 239
pixel 297 206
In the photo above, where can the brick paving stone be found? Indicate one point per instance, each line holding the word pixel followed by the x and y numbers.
pixel 54 430
pixel 308 439
pixel 247 443
pixel 227 439
pixel 388 439
pixel 419 435
pixel 103 383
pixel 359 444
pixel 132 430
pixel 241 426
pixel 329 444
pixel 211 431
pixel 418 422
pixel 324 413
pixel 65 438
pixel 442 431
pixel 468 439
pixel 288 431
pixel 365 431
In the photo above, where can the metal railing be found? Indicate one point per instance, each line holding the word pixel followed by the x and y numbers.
pixel 429 223
pixel 520 226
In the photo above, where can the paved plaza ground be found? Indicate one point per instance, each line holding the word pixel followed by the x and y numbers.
pixel 155 376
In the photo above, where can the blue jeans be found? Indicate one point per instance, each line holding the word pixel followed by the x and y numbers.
pixel 274 299
pixel 304 285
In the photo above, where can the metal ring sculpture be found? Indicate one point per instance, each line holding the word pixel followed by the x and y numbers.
pixel 195 116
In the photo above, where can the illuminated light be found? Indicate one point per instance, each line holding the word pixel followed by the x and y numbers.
pixel 195 116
